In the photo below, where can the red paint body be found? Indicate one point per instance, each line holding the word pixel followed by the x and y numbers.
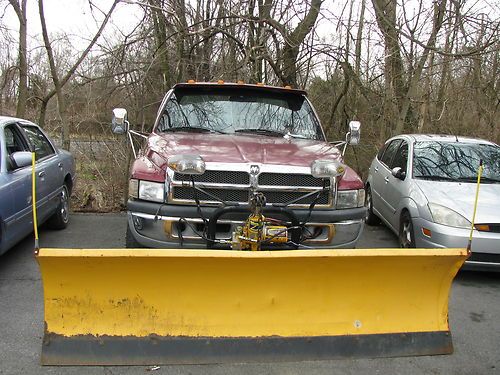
pixel 236 148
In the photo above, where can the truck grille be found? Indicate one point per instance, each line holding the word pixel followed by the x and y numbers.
pixel 234 186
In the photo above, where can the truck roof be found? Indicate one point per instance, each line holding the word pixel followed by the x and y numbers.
pixel 240 85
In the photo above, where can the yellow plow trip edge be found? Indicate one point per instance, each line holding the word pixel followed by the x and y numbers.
pixel 145 306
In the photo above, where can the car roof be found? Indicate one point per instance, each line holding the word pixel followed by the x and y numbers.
pixel 8 119
pixel 444 138
pixel 240 85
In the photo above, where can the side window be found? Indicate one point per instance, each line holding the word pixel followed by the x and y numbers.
pixel 43 148
pixel 13 140
pixel 390 151
pixel 381 152
pixel 401 157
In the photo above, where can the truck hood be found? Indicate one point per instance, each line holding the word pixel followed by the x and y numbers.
pixel 237 149
pixel 460 197
pixel 243 149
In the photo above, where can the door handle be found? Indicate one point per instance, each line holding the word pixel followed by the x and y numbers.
pixel 376 169
pixel 386 179
pixel 41 174
pixel 60 165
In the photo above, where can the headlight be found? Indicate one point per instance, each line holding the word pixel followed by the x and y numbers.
pixel 151 191
pixel 327 168
pixel 446 216
pixel 187 164
pixel 350 198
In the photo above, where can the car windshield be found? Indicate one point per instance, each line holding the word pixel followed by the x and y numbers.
pixel 456 161
pixel 240 111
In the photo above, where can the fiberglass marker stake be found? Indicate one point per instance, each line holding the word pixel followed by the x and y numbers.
pixel 33 199
pixel 479 173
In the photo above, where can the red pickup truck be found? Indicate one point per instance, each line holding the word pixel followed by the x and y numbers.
pixel 218 151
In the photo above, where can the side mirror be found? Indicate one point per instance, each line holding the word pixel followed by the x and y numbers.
pixel 354 135
pixel 119 124
pixel 20 159
pixel 398 173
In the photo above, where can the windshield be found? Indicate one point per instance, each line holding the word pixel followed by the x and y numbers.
pixel 240 111
pixel 454 161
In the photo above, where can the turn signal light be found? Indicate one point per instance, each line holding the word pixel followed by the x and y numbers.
pixel 427 232
pixel 482 227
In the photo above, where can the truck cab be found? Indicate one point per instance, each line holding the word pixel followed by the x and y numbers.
pixel 218 148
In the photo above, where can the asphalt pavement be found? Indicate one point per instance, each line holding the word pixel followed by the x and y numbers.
pixel 474 316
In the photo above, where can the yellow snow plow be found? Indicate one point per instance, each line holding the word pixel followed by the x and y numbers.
pixel 144 306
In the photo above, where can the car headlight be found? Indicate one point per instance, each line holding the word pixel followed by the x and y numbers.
pixel 148 190
pixel 446 216
pixel 187 164
pixel 350 198
pixel 327 168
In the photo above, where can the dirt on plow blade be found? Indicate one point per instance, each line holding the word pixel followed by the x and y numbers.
pixel 143 306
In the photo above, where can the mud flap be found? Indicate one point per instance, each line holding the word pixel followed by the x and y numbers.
pixel 144 306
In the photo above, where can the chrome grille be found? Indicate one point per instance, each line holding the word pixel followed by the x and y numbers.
pixel 186 193
pixel 234 186
pixel 290 179
pixel 217 177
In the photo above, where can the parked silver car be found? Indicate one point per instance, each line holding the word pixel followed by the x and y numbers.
pixel 55 173
pixel 423 188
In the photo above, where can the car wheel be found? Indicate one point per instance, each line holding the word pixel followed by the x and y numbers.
pixel 406 233
pixel 370 218
pixel 130 241
pixel 60 218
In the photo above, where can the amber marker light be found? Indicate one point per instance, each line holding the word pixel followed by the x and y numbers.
pixel 191 81
pixel 482 227
pixel 427 232
pixel 220 82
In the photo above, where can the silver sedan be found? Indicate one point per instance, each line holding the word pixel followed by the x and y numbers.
pixel 423 188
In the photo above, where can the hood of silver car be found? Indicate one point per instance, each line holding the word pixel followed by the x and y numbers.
pixel 460 197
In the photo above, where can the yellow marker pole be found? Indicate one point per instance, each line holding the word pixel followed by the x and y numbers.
pixel 33 200
pixel 479 173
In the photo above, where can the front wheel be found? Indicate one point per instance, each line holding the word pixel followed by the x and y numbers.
pixel 60 218
pixel 370 218
pixel 406 231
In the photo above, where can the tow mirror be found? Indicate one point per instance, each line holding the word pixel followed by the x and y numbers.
pixel 354 135
pixel 119 124
pixel 398 173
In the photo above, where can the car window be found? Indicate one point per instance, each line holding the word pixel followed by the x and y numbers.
pixel 14 142
pixel 381 151
pixel 456 161
pixel 401 157
pixel 390 151
pixel 43 148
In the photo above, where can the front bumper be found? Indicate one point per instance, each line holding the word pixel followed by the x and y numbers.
pixel 157 225
pixel 485 245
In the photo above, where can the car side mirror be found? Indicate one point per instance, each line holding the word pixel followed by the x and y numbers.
pixel 20 159
pixel 354 135
pixel 398 173
pixel 119 123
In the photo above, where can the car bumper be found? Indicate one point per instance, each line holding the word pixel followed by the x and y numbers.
pixel 485 245
pixel 157 225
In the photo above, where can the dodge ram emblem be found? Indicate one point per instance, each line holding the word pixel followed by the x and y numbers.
pixel 254 170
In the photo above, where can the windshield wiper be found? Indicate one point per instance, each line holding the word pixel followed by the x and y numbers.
pixel 194 129
pixel 273 133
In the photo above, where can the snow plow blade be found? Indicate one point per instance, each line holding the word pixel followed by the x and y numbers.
pixel 150 306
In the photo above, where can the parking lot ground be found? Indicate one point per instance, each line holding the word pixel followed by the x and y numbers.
pixel 474 316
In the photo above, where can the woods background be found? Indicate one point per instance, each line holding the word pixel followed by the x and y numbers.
pixel 396 66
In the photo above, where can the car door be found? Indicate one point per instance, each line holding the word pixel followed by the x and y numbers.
pixel 397 188
pixel 49 171
pixel 380 178
pixel 16 213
